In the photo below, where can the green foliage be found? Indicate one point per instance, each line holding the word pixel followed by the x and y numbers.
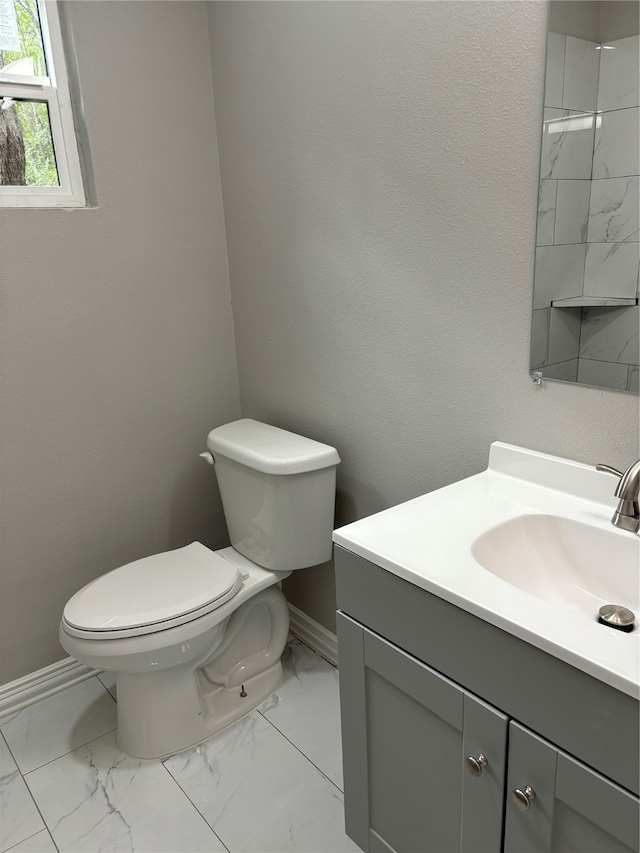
pixel 30 38
pixel 34 117
pixel 38 146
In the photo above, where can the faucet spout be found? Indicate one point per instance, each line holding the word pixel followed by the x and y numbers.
pixel 627 514
pixel 629 485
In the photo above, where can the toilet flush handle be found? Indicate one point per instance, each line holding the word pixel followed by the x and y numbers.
pixel 207 457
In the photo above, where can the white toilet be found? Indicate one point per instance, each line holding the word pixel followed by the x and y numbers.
pixel 195 636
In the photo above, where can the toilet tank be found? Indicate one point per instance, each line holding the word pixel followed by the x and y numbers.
pixel 278 493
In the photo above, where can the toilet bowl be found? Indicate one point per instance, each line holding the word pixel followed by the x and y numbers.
pixel 195 636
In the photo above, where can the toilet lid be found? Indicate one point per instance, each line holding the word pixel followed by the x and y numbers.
pixel 154 589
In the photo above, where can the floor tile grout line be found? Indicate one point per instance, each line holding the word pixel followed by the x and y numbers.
pixel 9 716
pixel 144 761
pixel 33 835
pixel 173 778
pixel 183 792
pixel 106 688
pixel 79 746
pixel 6 743
pixel 312 763
pixel 25 773
pixel 33 799
pixel 46 825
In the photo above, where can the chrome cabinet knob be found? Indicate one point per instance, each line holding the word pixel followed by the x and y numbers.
pixel 475 765
pixel 523 798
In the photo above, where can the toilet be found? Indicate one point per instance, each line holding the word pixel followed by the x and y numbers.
pixel 195 636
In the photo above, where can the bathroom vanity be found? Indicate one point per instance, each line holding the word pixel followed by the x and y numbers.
pixel 483 711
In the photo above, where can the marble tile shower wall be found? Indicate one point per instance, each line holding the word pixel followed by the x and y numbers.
pixel 588 229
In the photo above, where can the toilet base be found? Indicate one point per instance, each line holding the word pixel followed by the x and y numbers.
pixel 163 711
pixel 165 730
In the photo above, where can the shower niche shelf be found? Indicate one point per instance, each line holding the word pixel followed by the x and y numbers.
pixel 593 302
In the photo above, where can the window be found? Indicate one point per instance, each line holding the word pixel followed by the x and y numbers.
pixel 39 163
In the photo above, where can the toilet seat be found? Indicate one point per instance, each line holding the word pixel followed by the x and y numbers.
pixel 153 594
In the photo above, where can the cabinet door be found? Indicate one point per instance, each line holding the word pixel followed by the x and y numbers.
pixel 573 807
pixel 406 733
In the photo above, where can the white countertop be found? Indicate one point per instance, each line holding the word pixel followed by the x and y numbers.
pixel 427 541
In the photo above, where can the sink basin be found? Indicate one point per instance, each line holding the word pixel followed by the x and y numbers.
pixel 575 566
pixel 527 546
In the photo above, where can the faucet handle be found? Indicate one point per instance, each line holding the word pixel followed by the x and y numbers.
pixel 607 469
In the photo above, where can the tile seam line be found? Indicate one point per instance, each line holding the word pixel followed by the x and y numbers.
pixel 46 829
pixel 190 801
pixel 24 774
pixel 313 764
pixel 80 745
pixel 33 800
pixel 606 361
pixel 145 761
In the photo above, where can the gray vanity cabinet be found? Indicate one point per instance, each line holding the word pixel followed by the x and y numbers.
pixel 407 733
pixel 573 808
pixel 421 682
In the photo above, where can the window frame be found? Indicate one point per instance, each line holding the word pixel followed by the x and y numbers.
pixel 54 91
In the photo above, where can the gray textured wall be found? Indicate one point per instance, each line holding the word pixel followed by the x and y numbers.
pixel 379 169
pixel 118 352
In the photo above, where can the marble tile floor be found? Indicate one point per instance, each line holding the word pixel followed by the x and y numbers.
pixel 271 782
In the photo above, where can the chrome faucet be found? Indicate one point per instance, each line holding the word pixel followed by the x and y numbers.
pixel 627 514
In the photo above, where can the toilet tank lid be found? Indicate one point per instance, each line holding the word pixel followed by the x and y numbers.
pixel 270 449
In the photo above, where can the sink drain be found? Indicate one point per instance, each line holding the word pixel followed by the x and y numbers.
pixel 616 616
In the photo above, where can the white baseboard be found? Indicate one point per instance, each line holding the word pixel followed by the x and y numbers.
pixel 313 634
pixel 18 694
